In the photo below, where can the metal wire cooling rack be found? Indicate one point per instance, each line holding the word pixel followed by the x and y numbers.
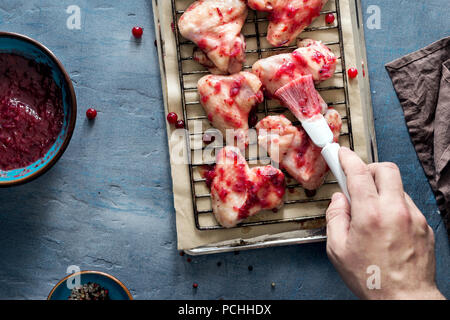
pixel 255 20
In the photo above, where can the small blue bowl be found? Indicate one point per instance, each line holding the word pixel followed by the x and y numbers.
pixel 117 290
pixel 33 50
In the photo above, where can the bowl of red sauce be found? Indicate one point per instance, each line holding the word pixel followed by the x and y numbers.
pixel 37 109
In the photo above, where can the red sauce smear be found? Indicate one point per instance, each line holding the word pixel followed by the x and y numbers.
pixel 220 13
pixel 257 193
pixel 236 50
pixel 202 44
pixel 217 88
pixel 31 113
pixel 235 88
pixel 204 98
pixel 301 150
pixel 300 59
pixel 287 68
pixel 318 57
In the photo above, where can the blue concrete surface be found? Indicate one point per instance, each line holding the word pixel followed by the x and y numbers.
pixel 107 204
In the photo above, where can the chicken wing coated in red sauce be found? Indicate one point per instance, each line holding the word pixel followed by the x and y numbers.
pixel 228 101
pixel 215 27
pixel 291 147
pixel 239 192
pixel 312 57
pixel 288 18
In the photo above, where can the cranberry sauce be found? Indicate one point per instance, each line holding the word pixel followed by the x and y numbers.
pixel 268 180
pixel 31 113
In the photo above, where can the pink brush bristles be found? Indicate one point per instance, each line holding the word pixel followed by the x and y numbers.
pixel 301 97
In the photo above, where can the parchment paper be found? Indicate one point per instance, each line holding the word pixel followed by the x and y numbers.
pixel 189 236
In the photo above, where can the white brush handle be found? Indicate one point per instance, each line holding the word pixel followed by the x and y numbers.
pixel 331 155
pixel 320 133
pixel 318 130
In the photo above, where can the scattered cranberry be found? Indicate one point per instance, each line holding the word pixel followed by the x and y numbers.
pixel 195 285
pixel 189 260
pixel 329 18
pixel 352 73
pixel 179 124
pixel 181 253
pixel 172 118
pixel 91 113
pixel 137 32
pixel 208 172
pixel 207 138
pixel 252 119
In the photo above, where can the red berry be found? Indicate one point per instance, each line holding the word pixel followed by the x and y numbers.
pixel 179 124
pixel 352 73
pixel 329 18
pixel 91 113
pixel 189 260
pixel 195 285
pixel 137 32
pixel 172 118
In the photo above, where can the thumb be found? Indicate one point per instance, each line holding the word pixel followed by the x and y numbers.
pixel 338 220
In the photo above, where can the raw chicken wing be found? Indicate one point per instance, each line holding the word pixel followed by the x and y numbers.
pixel 228 100
pixel 291 147
pixel 288 18
pixel 239 192
pixel 215 27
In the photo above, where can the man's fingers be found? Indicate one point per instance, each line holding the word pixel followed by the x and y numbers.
pixel 338 220
pixel 387 180
pixel 361 185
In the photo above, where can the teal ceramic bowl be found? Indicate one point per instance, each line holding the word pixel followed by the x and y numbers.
pixel 33 50
pixel 116 289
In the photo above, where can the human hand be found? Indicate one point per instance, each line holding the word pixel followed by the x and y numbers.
pixel 382 229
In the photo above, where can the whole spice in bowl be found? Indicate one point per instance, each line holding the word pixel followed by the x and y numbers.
pixel 89 291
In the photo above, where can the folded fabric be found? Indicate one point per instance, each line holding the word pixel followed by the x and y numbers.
pixel 422 82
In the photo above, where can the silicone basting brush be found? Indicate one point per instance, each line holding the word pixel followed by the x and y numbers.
pixel 301 97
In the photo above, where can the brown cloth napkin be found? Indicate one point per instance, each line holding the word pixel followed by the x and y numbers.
pixel 422 82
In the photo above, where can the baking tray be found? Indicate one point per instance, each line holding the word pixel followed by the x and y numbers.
pixel 256 32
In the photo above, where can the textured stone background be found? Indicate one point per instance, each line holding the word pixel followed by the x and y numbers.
pixel 107 204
